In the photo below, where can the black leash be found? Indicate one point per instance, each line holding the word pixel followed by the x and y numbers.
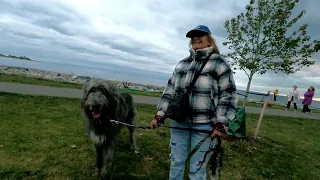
pixel 216 149
pixel 213 160
pixel 171 127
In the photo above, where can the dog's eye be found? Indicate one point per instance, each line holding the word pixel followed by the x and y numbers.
pixel 90 90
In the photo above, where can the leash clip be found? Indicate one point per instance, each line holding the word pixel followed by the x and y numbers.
pixel 113 121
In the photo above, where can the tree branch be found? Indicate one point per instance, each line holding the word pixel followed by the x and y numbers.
pixel 245 72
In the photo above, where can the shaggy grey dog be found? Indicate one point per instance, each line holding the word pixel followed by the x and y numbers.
pixel 100 103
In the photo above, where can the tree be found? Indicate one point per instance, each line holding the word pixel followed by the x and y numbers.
pixel 263 39
pixel 126 84
pixel 317 46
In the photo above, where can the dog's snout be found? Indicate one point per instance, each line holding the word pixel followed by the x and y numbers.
pixel 96 107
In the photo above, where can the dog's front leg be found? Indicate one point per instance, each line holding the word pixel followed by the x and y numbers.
pixel 99 157
pixel 132 136
pixel 108 154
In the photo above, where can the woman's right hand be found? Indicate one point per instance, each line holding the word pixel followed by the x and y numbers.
pixel 154 124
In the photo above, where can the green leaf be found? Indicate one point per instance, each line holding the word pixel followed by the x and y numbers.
pixel 263 39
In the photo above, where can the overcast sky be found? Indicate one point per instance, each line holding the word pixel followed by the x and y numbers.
pixel 145 34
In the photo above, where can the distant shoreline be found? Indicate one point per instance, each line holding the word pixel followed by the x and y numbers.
pixel 17 57
pixel 67 77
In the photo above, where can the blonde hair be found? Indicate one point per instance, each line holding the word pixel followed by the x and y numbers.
pixel 212 42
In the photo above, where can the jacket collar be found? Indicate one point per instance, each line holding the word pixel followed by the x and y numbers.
pixel 200 54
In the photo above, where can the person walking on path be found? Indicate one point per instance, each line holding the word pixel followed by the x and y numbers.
pixel 308 99
pixel 275 94
pixel 293 97
pixel 212 102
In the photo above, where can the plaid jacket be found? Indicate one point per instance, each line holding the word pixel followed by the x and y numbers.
pixel 213 97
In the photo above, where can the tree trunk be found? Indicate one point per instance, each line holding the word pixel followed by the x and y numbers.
pixel 248 89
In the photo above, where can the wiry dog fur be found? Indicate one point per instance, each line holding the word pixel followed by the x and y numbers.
pixel 100 103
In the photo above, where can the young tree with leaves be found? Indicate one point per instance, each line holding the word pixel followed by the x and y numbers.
pixel 262 39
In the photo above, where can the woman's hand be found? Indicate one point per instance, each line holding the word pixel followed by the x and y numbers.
pixel 154 124
pixel 216 133
pixel 218 130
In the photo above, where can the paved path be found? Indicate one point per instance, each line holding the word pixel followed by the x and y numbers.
pixel 76 93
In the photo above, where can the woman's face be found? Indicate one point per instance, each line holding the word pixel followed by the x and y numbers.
pixel 295 87
pixel 310 89
pixel 200 41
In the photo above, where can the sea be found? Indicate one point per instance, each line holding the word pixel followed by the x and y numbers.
pixel 118 73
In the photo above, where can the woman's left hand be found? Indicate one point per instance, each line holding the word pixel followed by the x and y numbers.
pixel 216 133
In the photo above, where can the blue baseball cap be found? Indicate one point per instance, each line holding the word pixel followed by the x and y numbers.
pixel 198 29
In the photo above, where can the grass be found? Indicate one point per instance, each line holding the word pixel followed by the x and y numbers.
pixel 45 82
pixel 38 135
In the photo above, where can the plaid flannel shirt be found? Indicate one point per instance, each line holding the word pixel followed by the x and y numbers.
pixel 213 97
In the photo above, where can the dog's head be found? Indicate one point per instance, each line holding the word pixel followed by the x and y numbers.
pixel 99 98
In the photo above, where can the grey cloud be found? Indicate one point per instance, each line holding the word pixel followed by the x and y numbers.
pixel 302 79
pixel 312 16
pixel 54 24
pixel 44 15
pixel 27 35
pixel 57 18
pixel 129 45
pixel 70 23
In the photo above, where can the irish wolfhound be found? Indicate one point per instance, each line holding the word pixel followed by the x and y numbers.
pixel 100 103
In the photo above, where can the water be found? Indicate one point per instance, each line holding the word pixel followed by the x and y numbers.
pixel 114 72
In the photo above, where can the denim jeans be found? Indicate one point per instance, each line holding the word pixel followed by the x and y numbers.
pixel 180 143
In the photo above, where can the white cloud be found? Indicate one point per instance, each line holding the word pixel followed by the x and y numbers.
pixel 145 34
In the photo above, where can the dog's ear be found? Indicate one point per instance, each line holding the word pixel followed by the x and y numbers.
pixel 110 91
pixel 85 90
pixel 108 88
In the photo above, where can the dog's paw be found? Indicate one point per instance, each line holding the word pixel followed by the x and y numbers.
pixel 135 150
pixel 96 173
pixel 104 173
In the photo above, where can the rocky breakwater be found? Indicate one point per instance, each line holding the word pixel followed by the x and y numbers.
pixel 69 78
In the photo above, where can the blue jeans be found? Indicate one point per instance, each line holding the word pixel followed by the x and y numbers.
pixel 180 143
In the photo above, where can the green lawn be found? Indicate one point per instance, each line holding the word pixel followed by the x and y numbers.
pixel 38 135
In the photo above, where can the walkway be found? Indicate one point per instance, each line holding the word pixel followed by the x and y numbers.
pixel 76 93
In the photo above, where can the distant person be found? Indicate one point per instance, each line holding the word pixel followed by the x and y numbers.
pixel 213 102
pixel 275 94
pixel 308 100
pixel 293 97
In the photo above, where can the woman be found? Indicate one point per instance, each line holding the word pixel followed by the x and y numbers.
pixel 293 97
pixel 308 99
pixel 275 94
pixel 215 84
